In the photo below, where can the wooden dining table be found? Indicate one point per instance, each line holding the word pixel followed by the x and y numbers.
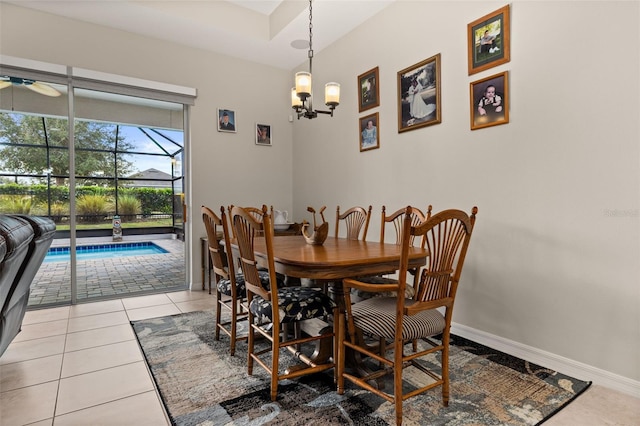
pixel 336 259
pixel 332 261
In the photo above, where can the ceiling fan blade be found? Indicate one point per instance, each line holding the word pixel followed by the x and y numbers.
pixel 43 89
pixel 4 84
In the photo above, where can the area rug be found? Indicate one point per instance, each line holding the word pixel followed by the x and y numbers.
pixel 201 384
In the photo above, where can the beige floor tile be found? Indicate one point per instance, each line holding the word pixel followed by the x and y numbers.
pixel 145 301
pixel 42 329
pixel 96 308
pixel 196 305
pixel 599 406
pixel 141 410
pixel 99 387
pixel 27 373
pixel 99 337
pixel 38 348
pixel 100 358
pixel 97 321
pixel 45 315
pixel 152 312
pixel 183 296
pixel 28 405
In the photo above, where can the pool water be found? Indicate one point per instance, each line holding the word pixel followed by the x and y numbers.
pixel 103 251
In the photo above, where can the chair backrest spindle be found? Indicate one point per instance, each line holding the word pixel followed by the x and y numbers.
pixel 356 220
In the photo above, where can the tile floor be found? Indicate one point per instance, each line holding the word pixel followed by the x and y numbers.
pixel 81 365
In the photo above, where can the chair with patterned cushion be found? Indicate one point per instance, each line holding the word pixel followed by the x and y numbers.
pixel 401 320
pixel 230 289
pixel 270 310
pixel 356 221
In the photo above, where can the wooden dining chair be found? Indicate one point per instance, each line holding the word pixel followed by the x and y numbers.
pixel 253 211
pixel 447 235
pixel 270 310
pixel 230 289
pixel 356 221
pixel 395 220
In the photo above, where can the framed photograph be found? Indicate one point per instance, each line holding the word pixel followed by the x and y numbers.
pixel 369 128
pixel 263 134
pixel 419 95
pixel 488 39
pixel 368 90
pixel 226 120
pixel 490 101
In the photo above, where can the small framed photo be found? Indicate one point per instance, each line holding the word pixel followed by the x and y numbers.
pixel 490 101
pixel 368 90
pixel 226 120
pixel 488 40
pixel 263 134
pixel 369 132
pixel 419 95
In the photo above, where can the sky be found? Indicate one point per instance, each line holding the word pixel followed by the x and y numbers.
pixel 143 143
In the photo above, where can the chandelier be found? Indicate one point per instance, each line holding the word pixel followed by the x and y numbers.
pixel 301 94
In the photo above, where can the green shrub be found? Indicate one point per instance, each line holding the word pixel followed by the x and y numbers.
pixel 152 200
pixel 128 206
pixel 92 207
pixel 59 211
pixel 15 204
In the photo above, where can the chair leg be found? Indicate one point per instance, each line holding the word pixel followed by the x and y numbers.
pixel 336 327
pixel 339 343
pixel 250 340
pixel 234 315
pixel 218 314
pixel 397 378
pixel 445 370
pixel 275 359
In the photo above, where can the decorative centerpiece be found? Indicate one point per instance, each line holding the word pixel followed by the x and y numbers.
pixel 320 233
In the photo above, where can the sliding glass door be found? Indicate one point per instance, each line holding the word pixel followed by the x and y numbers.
pixel 129 236
pixel 108 169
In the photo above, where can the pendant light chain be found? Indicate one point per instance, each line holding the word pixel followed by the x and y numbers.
pixel 310 35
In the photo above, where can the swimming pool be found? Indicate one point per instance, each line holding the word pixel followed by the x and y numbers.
pixel 103 251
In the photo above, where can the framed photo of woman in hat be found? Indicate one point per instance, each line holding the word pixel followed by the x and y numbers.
pixel 226 120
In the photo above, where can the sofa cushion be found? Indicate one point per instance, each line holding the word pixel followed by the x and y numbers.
pixel 3 248
pixel 17 235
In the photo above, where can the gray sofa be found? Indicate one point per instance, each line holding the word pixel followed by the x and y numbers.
pixel 26 240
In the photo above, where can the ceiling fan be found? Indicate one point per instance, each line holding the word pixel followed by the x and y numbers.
pixel 42 88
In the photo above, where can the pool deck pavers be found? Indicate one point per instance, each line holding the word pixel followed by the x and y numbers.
pixel 114 277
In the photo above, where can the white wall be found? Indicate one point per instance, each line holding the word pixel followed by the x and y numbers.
pixel 554 262
pixel 221 82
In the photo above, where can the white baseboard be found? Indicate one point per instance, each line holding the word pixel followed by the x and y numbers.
pixel 546 359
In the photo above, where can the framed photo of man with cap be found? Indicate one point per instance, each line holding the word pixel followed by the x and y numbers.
pixel 226 120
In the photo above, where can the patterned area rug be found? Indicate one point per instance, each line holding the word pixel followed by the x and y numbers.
pixel 201 384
